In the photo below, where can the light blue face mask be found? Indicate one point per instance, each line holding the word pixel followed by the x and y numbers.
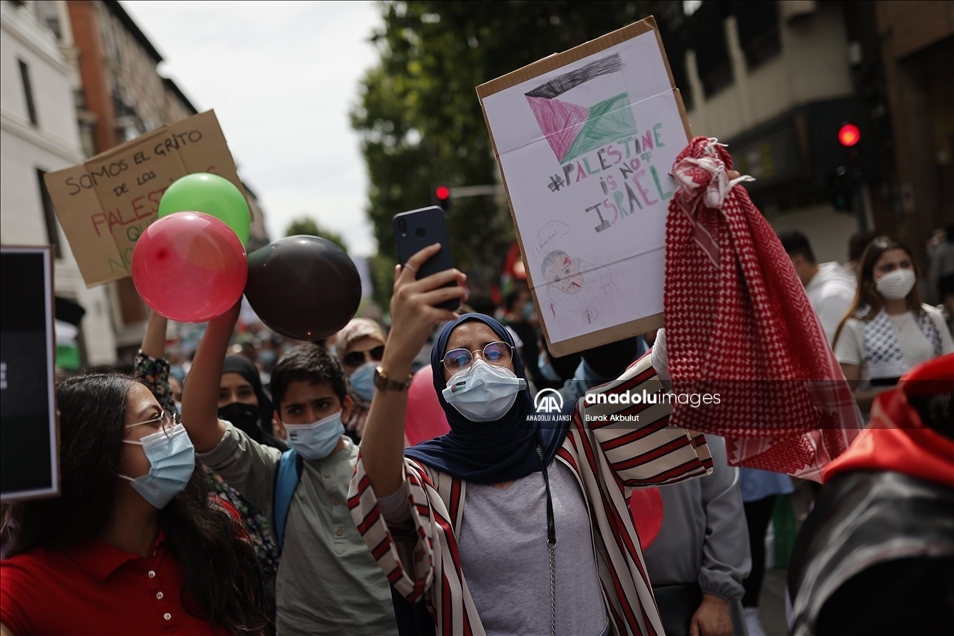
pixel 483 393
pixel 362 380
pixel 546 369
pixel 316 440
pixel 266 357
pixel 171 463
pixel 529 310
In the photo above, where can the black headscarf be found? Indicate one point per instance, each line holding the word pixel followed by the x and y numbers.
pixel 256 423
pixel 488 452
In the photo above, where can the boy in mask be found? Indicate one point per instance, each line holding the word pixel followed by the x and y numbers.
pixel 328 582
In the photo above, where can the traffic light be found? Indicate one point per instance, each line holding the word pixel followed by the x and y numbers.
pixel 841 198
pixel 442 196
pixel 850 175
pixel 848 135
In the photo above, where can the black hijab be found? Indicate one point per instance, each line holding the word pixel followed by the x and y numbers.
pixel 256 423
pixel 488 452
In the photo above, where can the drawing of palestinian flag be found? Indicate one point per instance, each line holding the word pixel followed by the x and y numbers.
pixel 573 130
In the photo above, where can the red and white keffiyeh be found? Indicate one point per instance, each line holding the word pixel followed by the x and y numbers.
pixel 739 324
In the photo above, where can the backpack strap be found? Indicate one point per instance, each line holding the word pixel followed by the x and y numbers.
pixel 287 476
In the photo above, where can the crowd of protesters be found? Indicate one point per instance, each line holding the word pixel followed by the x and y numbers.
pixel 270 486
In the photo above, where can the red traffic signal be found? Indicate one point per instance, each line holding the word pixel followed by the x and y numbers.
pixel 848 135
pixel 442 195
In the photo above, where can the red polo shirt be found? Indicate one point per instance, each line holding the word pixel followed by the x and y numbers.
pixel 94 588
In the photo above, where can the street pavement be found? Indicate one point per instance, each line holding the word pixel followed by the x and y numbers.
pixel 772 603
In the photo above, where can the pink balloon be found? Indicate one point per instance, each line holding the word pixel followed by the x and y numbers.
pixel 425 418
pixel 189 267
pixel 646 506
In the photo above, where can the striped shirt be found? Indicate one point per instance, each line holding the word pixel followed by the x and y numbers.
pixel 608 458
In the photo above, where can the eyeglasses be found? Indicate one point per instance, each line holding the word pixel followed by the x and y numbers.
pixel 497 354
pixel 357 358
pixel 167 420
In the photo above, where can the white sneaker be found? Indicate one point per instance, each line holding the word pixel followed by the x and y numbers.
pixel 752 623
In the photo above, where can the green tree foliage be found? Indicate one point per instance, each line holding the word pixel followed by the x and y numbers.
pixel 307 225
pixel 420 118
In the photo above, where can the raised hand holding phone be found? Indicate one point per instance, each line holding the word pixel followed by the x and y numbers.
pixel 417 305
pixel 417 229
pixel 414 312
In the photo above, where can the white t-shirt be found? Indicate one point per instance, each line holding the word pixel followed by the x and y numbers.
pixel 831 292
pixel 915 347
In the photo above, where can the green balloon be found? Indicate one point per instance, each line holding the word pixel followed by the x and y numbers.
pixel 209 194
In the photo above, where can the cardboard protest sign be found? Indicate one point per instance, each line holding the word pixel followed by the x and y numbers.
pixel 105 203
pixel 585 140
pixel 29 465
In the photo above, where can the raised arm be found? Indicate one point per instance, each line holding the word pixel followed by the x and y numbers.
pixel 151 366
pixel 413 315
pixel 200 399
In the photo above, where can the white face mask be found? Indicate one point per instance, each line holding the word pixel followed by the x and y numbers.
pixel 483 393
pixel 897 284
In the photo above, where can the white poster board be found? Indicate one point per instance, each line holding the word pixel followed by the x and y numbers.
pixel 29 440
pixel 585 140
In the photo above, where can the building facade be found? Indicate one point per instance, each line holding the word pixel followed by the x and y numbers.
pixel 39 133
pixel 90 83
pixel 777 81
pixel 915 41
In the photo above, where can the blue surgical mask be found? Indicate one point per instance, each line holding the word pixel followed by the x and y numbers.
pixel 483 393
pixel 266 357
pixel 529 310
pixel 362 380
pixel 171 463
pixel 546 369
pixel 316 440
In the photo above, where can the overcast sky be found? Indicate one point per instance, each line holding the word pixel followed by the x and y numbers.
pixel 281 77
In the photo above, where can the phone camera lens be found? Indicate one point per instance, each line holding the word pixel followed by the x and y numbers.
pixel 402 226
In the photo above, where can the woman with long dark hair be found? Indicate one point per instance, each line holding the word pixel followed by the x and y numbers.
pixel 887 330
pixel 241 400
pixel 134 543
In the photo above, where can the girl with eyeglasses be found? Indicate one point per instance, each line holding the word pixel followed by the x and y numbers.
pixel 243 401
pixel 547 544
pixel 134 543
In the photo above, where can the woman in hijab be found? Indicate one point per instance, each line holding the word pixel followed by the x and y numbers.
pixel 525 477
pixel 244 403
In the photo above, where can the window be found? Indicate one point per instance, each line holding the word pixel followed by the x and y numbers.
pixel 672 29
pixel 758 31
pixel 52 233
pixel 28 91
pixel 46 14
pixel 707 34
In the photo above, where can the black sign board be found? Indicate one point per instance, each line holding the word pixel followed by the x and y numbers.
pixel 29 465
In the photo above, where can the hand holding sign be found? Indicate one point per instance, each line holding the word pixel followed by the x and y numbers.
pixel 209 194
pixel 189 267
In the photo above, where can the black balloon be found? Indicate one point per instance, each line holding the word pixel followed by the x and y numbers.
pixel 303 287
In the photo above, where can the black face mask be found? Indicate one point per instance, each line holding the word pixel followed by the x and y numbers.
pixel 243 417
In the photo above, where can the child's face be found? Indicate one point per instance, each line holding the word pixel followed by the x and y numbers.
pixel 307 402
pixel 564 274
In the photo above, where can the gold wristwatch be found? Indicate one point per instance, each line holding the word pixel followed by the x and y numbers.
pixel 384 383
